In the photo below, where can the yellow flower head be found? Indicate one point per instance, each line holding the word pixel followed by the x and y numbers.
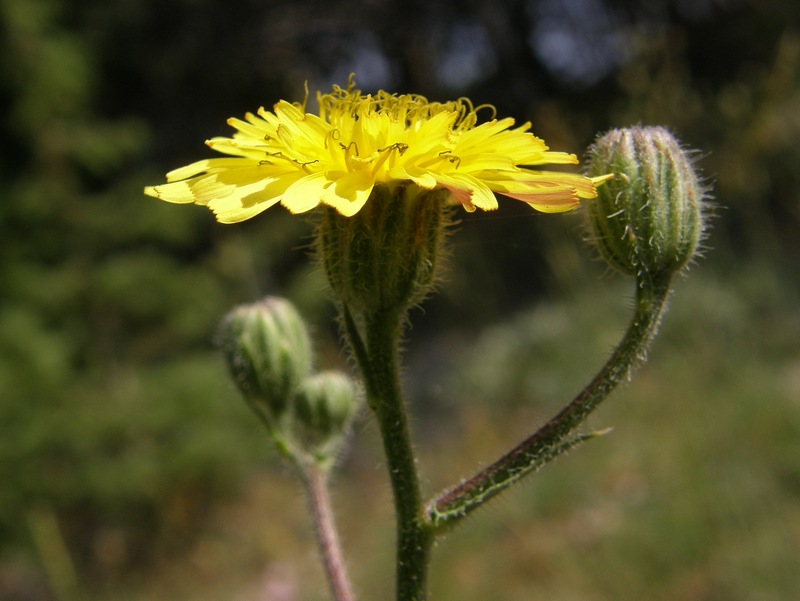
pixel 359 141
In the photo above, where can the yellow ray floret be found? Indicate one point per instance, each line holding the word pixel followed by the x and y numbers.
pixel 358 141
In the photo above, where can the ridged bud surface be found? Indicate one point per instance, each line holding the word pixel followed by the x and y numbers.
pixel 649 218
pixel 324 408
pixel 384 257
pixel 268 352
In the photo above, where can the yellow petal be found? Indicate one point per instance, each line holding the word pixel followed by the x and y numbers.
pixel 177 192
pixel 230 210
pixel 336 157
pixel 245 201
pixel 421 177
pixel 601 179
pixel 203 166
pixel 526 181
pixel 557 200
pixel 549 158
pixel 248 148
pixel 349 193
pixel 469 191
pixel 305 193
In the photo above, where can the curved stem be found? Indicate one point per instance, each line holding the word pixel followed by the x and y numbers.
pixel 316 483
pixel 554 438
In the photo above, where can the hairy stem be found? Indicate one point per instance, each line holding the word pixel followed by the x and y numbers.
pixel 315 479
pixel 377 356
pixel 555 437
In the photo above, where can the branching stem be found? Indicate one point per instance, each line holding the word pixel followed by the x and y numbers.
pixel 556 437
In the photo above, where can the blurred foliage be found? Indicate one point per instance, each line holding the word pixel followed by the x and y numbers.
pixel 692 496
pixel 115 416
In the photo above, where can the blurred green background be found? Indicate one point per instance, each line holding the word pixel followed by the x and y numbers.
pixel 129 468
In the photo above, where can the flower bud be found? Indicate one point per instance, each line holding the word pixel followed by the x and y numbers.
pixel 324 409
pixel 385 256
pixel 649 218
pixel 268 352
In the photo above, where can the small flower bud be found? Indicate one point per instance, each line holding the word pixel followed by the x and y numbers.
pixel 385 256
pixel 268 351
pixel 324 409
pixel 649 218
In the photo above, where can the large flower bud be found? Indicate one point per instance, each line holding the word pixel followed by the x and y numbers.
pixel 268 352
pixel 649 218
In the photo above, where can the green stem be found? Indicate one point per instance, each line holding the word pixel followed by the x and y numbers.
pixel 377 356
pixel 316 483
pixel 555 437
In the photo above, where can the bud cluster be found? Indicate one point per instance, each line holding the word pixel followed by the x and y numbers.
pixel 649 218
pixel 268 351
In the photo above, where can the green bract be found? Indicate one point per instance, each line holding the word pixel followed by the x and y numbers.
pixel 384 258
pixel 324 408
pixel 649 218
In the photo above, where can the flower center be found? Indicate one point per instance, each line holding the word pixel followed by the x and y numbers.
pixel 406 109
